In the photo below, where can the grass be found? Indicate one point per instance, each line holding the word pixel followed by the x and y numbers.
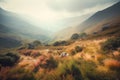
pixel 88 64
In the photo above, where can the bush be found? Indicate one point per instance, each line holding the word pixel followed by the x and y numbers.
pixel 78 49
pixel 26 52
pixel 31 46
pixel 111 44
pixel 60 43
pixel 18 73
pixel 75 36
pixel 56 43
pixel 36 43
pixel 76 73
pixel 48 63
pixel 82 35
pixel 9 59
pixel 35 54
pixel 68 70
pixel 73 52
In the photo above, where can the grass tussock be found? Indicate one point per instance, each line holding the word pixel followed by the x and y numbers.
pixel 46 64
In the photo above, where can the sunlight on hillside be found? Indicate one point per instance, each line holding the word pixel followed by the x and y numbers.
pixel 59 40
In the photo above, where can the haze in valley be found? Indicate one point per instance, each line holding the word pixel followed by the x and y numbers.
pixel 55 15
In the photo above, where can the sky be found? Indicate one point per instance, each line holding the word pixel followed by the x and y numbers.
pixel 52 11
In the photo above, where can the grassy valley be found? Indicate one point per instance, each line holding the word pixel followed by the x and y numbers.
pixel 80 60
pixel 89 51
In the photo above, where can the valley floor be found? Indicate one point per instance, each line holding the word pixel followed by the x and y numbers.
pixel 48 63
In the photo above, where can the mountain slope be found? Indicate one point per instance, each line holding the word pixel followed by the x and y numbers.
pixel 14 29
pixel 20 26
pixel 91 23
pixel 100 16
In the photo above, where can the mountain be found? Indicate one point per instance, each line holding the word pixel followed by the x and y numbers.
pixel 104 15
pixel 20 26
pixel 6 42
pixel 91 23
pixel 13 28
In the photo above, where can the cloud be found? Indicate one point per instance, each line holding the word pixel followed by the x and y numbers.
pixel 76 5
pixel 51 10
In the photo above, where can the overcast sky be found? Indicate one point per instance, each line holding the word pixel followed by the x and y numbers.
pixel 52 10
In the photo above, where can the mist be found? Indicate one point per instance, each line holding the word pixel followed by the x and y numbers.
pixel 55 15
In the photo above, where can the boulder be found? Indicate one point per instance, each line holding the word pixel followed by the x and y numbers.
pixel 64 54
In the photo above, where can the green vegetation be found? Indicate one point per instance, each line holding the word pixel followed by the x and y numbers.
pixel 75 36
pixel 82 35
pixel 111 44
pixel 84 62
pixel 76 50
pixel 36 43
pixel 78 36
pixel 60 43
pixel 31 45
pixel 49 63
pixel 94 55
pixel 69 71
pixel 72 52
pixel 20 74
pixel 9 59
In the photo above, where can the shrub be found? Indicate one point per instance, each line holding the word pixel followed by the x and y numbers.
pixel 78 49
pixel 82 35
pixel 26 52
pixel 76 73
pixel 111 44
pixel 75 36
pixel 9 59
pixel 56 43
pixel 35 54
pixel 60 43
pixel 36 43
pixel 31 46
pixel 48 63
pixel 88 70
pixel 18 73
pixel 73 52
pixel 68 68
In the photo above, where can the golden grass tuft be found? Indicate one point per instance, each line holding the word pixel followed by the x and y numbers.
pixel 112 63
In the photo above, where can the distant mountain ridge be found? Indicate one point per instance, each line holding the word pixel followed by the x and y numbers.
pixel 108 13
pixel 20 26
pixel 13 29
pixel 100 16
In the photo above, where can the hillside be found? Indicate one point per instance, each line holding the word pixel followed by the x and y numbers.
pixel 14 29
pixel 100 17
pixel 88 61
pixel 14 22
pixel 38 48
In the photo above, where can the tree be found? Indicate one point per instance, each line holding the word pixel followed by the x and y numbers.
pixel 9 59
pixel 36 43
pixel 75 36
pixel 60 43
pixel 83 35
pixel 111 44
